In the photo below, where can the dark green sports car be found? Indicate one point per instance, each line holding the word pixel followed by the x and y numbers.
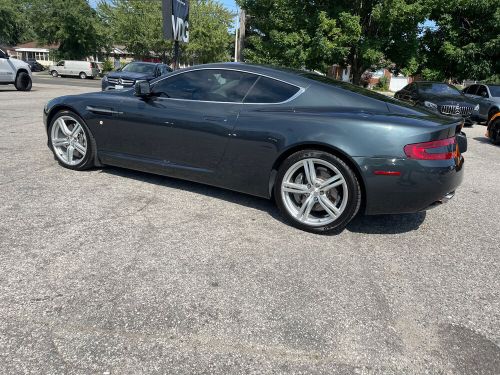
pixel 322 149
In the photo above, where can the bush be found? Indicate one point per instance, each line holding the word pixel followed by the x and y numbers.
pixel 107 66
pixel 383 84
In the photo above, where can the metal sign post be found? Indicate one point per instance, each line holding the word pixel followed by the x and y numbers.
pixel 176 24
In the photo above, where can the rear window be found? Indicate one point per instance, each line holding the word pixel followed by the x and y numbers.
pixel 268 90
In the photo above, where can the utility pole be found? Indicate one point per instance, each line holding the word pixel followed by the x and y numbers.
pixel 239 36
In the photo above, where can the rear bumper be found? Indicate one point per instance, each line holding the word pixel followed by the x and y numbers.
pixel 422 184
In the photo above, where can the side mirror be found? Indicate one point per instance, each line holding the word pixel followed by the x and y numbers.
pixel 142 89
pixel 484 94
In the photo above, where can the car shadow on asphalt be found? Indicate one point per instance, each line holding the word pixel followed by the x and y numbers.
pixel 378 224
pixel 484 140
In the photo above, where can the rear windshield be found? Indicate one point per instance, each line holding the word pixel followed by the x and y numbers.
pixel 438 89
pixel 348 86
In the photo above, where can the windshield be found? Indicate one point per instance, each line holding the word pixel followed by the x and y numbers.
pixel 139 68
pixel 495 90
pixel 438 89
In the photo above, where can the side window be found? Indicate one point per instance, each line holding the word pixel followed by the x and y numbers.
pixel 471 90
pixel 215 85
pixel 482 91
pixel 412 88
pixel 268 90
pixel 60 63
pixel 2 55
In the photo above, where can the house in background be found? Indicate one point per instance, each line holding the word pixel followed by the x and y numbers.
pixel 34 51
pixel 396 83
pixel 340 73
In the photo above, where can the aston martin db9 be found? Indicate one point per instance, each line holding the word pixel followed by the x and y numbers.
pixel 322 149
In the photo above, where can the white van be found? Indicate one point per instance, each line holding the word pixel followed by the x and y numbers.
pixel 82 69
pixel 14 71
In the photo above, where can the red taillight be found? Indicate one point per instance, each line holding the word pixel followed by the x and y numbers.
pixel 419 150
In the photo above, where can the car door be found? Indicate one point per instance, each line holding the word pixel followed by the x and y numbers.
pixel 194 115
pixel 7 69
pixel 483 98
pixel 184 127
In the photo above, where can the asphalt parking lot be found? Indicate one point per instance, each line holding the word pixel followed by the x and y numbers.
pixel 120 272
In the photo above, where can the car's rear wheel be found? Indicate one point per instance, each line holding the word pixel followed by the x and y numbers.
pixel 54 73
pixel 23 82
pixel 83 75
pixel 71 141
pixel 317 191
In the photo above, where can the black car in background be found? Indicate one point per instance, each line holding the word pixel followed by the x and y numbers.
pixel 35 66
pixel 322 149
pixel 135 71
pixel 441 98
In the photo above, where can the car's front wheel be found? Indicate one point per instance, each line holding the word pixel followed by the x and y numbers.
pixel 71 141
pixel 83 75
pixel 317 191
pixel 54 73
pixel 494 131
pixel 23 82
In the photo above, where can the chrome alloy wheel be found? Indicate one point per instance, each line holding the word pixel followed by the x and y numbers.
pixel 314 192
pixel 69 140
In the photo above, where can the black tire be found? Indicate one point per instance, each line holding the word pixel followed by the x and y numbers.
pixel 23 82
pixel 54 73
pixel 88 161
pixel 82 75
pixel 494 131
pixel 353 188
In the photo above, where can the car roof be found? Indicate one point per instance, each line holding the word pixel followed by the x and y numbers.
pixel 293 76
pixel 144 62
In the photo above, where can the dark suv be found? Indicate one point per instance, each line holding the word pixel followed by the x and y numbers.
pixel 135 71
pixel 441 98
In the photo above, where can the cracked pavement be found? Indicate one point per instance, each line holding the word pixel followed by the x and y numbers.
pixel 122 272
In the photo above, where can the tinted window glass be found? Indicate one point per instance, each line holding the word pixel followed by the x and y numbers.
pixel 438 88
pixel 268 90
pixel 471 89
pixel 216 85
pixel 495 91
pixel 139 68
pixel 2 54
pixel 482 91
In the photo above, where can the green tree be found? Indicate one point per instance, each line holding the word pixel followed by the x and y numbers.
pixel 138 25
pixel 465 44
pixel 73 24
pixel 14 26
pixel 362 33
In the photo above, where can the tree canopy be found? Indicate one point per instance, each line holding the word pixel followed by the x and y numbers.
pixel 376 33
pixel 137 24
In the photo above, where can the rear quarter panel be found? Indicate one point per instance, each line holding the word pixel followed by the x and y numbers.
pixel 263 134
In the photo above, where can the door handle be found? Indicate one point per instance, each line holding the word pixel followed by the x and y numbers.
pixel 215 118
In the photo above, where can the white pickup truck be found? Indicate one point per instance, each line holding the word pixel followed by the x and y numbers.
pixel 14 71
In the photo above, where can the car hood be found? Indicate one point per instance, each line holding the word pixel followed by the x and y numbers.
pixel 131 75
pixel 448 99
pixel 18 63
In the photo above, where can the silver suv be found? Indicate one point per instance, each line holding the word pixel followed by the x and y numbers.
pixel 488 97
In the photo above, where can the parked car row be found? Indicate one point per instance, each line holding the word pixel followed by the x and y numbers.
pixel 477 102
